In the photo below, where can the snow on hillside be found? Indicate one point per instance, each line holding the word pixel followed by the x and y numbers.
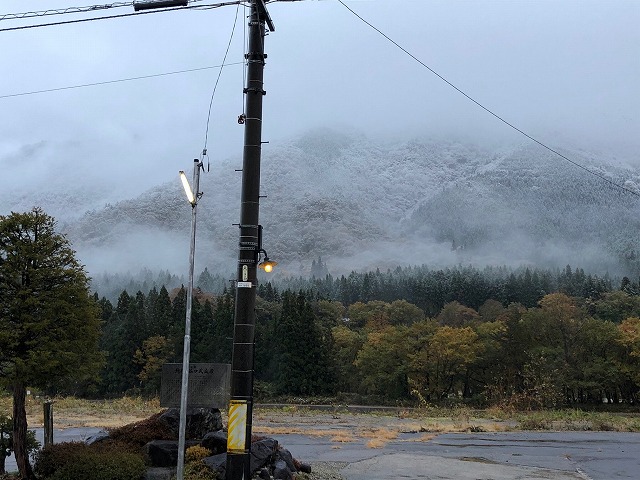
pixel 360 202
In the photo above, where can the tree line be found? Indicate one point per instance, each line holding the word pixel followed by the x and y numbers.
pixel 532 337
pixel 535 338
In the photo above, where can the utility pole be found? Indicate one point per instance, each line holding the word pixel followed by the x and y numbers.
pixel 241 400
pixel 186 353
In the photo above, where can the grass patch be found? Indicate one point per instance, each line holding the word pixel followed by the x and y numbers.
pixel 576 420
pixel 78 412
pixel 342 437
pixel 378 438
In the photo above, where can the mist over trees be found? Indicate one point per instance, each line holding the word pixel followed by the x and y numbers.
pixel 528 338
pixel 443 202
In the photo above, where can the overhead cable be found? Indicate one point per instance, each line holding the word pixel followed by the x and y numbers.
pixel 106 82
pixel 122 15
pixel 213 94
pixel 67 10
pixel 62 11
pixel 522 132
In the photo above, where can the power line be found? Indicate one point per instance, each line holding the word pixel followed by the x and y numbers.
pixel 93 8
pixel 107 82
pixel 67 10
pixel 122 15
pixel 206 135
pixel 62 11
pixel 573 162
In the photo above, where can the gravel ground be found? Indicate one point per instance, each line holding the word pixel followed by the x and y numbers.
pixel 323 471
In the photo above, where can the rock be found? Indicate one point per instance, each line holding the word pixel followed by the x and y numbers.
pixel 263 453
pixel 97 438
pixel 200 421
pixel 284 455
pixel 215 441
pixel 281 471
pixel 159 473
pixel 217 463
pixel 164 453
pixel 266 456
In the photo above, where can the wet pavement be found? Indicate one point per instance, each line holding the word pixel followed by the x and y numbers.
pixel 481 456
pixel 518 455
pixel 59 436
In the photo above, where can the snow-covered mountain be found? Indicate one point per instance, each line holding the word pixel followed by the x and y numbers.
pixel 360 203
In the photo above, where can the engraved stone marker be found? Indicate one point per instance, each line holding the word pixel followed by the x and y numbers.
pixel 208 385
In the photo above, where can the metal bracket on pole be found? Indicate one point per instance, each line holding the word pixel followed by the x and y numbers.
pixel 264 14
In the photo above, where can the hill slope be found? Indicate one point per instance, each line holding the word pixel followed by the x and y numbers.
pixel 361 203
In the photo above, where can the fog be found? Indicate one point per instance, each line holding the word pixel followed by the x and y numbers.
pixel 564 71
pixel 567 73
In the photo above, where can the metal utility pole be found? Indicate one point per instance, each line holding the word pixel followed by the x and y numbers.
pixel 241 402
pixel 193 200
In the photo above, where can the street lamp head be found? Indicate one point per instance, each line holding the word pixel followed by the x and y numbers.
pixel 187 188
pixel 267 265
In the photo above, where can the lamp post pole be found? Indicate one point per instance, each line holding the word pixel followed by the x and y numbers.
pixel 241 399
pixel 187 324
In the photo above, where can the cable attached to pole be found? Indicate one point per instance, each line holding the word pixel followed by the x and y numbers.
pixel 215 87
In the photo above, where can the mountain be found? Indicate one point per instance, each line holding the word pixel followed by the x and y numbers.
pixel 360 203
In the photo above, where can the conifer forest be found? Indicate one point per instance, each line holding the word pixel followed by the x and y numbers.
pixel 529 338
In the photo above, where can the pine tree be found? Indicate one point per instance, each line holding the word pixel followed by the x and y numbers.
pixel 49 323
pixel 302 360
pixel 223 328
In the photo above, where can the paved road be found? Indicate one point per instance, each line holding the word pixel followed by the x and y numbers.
pixel 59 436
pixel 498 456
pixel 485 456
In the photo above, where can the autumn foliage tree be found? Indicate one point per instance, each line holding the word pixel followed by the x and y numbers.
pixel 49 323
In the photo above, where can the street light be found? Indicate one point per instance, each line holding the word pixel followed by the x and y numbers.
pixel 187 188
pixel 266 264
pixel 193 200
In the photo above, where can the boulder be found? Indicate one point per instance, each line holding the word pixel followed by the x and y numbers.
pixel 215 441
pixel 159 473
pixel 285 455
pixel 200 421
pixel 281 471
pixel 101 436
pixel 217 463
pixel 263 453
pixel 164 453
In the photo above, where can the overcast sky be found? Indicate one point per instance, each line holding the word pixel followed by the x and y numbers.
pixel 566 71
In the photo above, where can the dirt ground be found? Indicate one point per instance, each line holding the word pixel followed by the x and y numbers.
pixel 337 424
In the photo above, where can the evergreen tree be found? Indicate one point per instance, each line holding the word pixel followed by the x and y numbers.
pixel 205 281
pixel 203 342
pixel 303 366
pixel 49 323
pixel 222 332
pixel 176 329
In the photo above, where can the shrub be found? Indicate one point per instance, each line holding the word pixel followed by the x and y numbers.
pixel 138 434
pixel 6 440
pixel 103 466
pixel 199 471
pixel 75 460
pixel 53 457
pixel 196 453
